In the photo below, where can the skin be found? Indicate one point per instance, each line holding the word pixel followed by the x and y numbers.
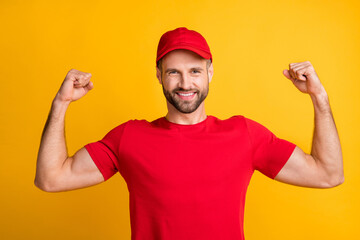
pixel 55 170
pixel 323 167
pixel 184 71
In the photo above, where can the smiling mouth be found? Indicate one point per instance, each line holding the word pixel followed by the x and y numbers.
pixel 186 94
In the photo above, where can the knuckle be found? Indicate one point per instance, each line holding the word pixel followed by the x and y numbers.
pixel 84 79
pixel 72 72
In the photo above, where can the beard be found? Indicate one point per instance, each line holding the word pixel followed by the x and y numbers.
pixel 185 106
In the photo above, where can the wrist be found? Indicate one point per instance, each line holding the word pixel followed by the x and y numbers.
pixel 60 102
pixel 321 101
pixel 59 107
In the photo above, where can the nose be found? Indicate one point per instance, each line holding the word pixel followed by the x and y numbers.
pixel 185 81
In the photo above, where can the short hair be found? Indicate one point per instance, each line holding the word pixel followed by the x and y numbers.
pixel 159 64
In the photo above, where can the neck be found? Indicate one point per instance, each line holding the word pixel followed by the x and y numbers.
pixel 175 116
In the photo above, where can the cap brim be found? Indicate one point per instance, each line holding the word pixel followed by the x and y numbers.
pixel 200 52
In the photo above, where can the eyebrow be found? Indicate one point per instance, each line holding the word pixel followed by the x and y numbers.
pixel 197 68
pixel 170 70
pixel 174 69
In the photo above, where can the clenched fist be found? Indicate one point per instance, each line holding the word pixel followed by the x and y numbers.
pixel 76 84
pixel 304 77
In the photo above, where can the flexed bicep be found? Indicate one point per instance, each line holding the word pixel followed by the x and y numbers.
pixel 78 171
pixel 302 170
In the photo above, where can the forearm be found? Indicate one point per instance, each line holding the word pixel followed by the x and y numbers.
pixel 52 151
pixel 326 148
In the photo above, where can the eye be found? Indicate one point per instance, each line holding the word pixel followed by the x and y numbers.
pixel 173 72
pixel 195 71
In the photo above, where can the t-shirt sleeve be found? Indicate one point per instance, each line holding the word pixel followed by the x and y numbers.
pixel 105 152
pixel 270 153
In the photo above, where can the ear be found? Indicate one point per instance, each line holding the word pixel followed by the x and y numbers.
pixel 158 75
pixel 210 72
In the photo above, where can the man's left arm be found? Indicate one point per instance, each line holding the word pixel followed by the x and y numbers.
pixel 323 168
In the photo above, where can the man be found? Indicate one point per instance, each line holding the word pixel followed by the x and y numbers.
pixel 188 172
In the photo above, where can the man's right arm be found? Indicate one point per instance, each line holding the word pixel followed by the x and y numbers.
pixel 55 170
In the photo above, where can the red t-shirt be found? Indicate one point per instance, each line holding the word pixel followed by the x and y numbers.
pixel 189 181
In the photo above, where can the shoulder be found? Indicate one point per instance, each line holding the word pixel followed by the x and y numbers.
pixel 233 123
pixel 119 130
pixel 242 122
pixel 133 123
pixel 136 125
pixel 247 122
pixel 235 119
pixel 124 125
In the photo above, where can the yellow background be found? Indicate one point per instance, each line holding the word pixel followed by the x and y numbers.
pixel 251 42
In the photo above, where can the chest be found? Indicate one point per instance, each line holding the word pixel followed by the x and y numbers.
pixel 184 158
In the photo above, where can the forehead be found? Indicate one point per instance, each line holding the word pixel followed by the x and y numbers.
pixel 182 57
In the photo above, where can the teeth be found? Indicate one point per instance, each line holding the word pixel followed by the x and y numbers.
pixel 186 94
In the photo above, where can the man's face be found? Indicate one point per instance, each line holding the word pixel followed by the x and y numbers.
pixel 185 79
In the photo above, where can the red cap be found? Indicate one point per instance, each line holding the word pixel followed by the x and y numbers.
pixel 182 38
